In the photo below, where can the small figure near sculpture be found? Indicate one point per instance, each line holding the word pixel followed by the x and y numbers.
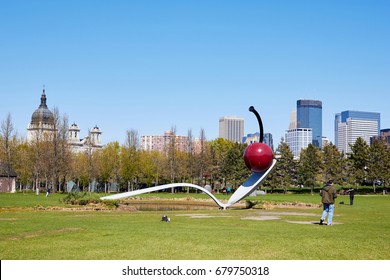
pixel 166 219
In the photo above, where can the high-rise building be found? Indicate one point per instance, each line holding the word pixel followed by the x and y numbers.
pixel 350 125
pixel 384 137
pixel 231 128
pixel 309 115
pixel 293 120
pixel 298 139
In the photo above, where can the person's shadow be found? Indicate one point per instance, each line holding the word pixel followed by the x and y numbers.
pixel 319 224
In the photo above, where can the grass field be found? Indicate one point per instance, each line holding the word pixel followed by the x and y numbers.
pixel 360 232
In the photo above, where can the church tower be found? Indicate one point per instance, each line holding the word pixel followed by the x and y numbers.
pixel 74 133
pixel 42 125
pixel 96 137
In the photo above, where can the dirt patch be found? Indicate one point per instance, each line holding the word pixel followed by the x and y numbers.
pixel 70 209
pixel 38 234
pixel 95 215
pixel 200 216
pixel 289 214
pixel 273 215
pixel 262 218
pixel 68 229
pixel 290 205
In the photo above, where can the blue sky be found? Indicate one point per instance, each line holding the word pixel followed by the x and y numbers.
pixel 152 65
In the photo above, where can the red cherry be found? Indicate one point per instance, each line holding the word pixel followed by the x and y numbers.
pixel 258 157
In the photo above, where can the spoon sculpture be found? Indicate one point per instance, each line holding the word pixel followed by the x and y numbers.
pixel 258 157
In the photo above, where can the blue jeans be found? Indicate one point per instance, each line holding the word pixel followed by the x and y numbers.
pixel 328 211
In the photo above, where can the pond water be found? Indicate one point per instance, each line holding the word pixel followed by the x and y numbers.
pixel 154 206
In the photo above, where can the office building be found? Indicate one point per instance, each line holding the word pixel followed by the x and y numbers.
pixel 231 128
pixel 384 136
pixel 161 142
pixel 293 120
pixel 309 115
pixel 350 125
pixel 298 139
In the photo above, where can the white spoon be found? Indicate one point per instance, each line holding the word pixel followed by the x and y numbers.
pixel 250 185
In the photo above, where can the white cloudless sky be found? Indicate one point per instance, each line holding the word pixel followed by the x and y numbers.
pixel 152 65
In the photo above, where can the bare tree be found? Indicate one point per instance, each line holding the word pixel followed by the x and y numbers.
pixel 172 160
pixel 190 157
pixel 8 139
pixel 132 139
pixel 202 154
pixel 130 158
pixel 7 129
pixel 61 150
pixel 36 145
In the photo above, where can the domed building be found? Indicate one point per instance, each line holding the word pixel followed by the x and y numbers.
pixel 42 125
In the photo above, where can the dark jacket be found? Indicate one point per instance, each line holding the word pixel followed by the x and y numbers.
pixel 328 194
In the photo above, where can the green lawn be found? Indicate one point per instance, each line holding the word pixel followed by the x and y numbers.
pixel 361 232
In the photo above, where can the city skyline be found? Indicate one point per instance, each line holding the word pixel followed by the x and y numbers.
pixel 223 118
pixel 151 67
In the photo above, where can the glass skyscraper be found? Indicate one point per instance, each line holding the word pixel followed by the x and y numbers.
pixel 309 115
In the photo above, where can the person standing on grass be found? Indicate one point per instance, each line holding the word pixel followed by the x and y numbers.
pixel 329 195
pixel 351 196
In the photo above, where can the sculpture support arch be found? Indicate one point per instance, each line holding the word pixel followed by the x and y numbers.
pixel 247 188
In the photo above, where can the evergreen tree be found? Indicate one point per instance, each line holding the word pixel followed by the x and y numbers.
pixel 386 178
pixel 284 173
pixel 310 166
pixel 359 161
pixel 233 167
pixel 378 162
pixel 333 163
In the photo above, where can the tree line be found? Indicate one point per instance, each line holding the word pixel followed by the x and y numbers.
pixel 365 165
pixel 49 162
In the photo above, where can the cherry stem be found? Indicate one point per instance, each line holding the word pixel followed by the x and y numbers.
pixel 253 110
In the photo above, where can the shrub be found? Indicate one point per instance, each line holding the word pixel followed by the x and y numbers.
pixel 111 203
pixel 82 199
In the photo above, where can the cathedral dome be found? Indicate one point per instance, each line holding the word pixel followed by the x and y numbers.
pixel 42 115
